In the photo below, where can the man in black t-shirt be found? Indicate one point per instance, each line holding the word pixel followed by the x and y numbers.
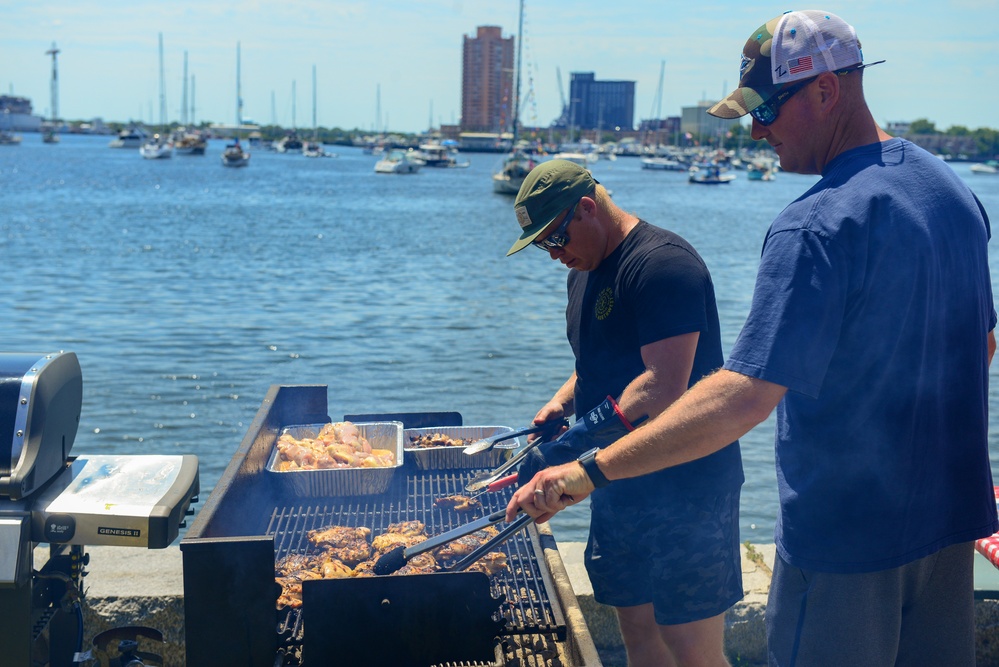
pixel 641 319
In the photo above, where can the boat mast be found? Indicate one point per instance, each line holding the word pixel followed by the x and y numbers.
pixel 183 104
pixel 55 82
pixel 516 92
pixel 315 130
pixel 239 93
pixel 163 104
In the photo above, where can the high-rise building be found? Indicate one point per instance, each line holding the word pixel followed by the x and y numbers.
pixel 603 105
pixel 487 81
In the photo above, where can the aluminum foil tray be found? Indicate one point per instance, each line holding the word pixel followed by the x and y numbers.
pixel 447 458
pixel 344 481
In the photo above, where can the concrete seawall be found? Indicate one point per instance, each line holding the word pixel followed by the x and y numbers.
pixel 145 587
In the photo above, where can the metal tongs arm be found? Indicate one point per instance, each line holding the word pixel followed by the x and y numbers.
pixel 546 429
pixel 484 479
pixel 492 543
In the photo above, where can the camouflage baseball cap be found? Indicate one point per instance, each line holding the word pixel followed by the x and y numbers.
pixel 549 189
pixel 790 47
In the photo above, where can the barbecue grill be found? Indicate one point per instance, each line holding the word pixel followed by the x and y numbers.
pixel 49 497
pixel 526 615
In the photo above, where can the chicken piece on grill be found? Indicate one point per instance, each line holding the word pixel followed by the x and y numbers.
pixel 291 588
pixel 346 544
pixel 365 569
pixel 423 563
pixel 334 568
pixel 294 563
pixel 388 541
pixel 407 528
pixel 492 563
pixel 403 533
pixel 458 503
pixel 463 546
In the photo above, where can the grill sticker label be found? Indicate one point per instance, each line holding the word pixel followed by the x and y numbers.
pixel 119 532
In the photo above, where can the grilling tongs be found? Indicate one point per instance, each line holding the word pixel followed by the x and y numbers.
pixel 488 480
pixel 547 430
pixel 394 560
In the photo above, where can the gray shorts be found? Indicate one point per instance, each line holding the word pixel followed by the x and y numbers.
pixel 919 614
pixel 683 557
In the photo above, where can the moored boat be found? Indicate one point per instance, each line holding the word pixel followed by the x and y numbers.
pixel 9 138
pixel 516 167
pixel 190 143
pixel 398 162
pixel 157 148
pixel 990 167
pixel 711 174
pixel 438 155
pixel 133 137
pixel 662 164
pixel 235 156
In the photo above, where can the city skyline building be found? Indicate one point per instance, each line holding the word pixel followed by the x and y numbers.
pixel 487 79
pixel 600 105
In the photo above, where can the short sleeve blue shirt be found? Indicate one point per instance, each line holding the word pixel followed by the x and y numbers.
pixel 872 305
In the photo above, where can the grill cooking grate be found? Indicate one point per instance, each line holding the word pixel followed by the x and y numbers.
pixel 530 606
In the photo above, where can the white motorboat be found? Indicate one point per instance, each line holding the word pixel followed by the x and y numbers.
pixel 990 167
pixel 398 162
pixel 235 156
pixel 438 155
pixel 315 149
pixel 582 159
pixel 663 164
pixel 157 148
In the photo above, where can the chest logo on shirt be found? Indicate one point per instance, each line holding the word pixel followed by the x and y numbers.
pixel 605 304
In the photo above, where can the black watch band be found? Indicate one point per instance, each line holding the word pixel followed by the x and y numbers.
pixel 589 463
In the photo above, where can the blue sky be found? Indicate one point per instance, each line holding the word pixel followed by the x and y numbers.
pixel 943 57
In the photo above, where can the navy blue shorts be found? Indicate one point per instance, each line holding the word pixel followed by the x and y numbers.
pixel 683 556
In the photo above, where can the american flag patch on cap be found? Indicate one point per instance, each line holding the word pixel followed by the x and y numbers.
pixel 797 65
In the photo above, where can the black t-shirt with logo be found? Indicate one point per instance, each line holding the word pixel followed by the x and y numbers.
pixel 653 286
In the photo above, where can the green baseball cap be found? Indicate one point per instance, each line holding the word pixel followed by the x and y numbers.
pixel 549 189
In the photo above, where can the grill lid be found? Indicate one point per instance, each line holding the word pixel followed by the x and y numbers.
pixel 41 397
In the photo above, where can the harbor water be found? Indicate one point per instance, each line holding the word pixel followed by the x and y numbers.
pixel 188 289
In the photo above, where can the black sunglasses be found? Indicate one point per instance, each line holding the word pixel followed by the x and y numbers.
pixel 767 113
pixel 560 237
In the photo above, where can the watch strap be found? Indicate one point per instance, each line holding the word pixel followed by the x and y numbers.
pixel 589 463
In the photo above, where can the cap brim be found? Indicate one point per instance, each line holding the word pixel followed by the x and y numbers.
pixel 742 101
pixel 525 240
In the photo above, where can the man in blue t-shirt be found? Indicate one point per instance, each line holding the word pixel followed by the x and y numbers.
pixel 663 548
pixel 871 333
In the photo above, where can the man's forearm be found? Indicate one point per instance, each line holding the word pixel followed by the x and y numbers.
pixel 716 411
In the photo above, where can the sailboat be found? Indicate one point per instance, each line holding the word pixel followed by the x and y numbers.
pixel 313 148
pixel 160 146
pixel 233 155
pixel 517 164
